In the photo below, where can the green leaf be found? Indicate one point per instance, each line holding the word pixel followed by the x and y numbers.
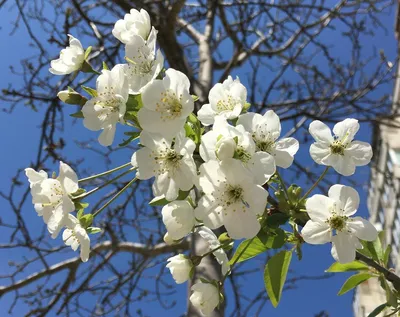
pixel 378 310
pixel 132 137
pixel 353 281
pixel 80 205
pixel 386 255
pixel 105 66
pixel 87 52
pixel 390 296
pixel 93 230
pixel 161 201
pixel 276 220
pixel 80 191
pixel 71 97
pixel 248 249
pixel 78 114
pixel 134 103
pixel 86 220
pixel 374 248
pixel 347 267
pixel 275 273
pixel 272 239
pixel 92 92
pixel 80 213
pixel 195 98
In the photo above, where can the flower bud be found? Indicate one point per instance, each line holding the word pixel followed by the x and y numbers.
pixel 205 297
pixel 180 268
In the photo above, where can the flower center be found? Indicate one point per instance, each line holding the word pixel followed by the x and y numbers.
pixel 265 146
pixel 168 161
pixel 234 193
pixel 337 147
pixel 170 106
pixel 337 222
pixel 140 66
pixel 242 155
pixel 225 104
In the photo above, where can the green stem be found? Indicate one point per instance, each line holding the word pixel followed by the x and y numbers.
pixel 114 197
pixel 103 185
pixel 237 259
pixel 315 184
pixel 282 183
pixel 104 173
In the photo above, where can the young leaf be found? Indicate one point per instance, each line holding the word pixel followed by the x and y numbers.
pixel 347 267
pixel 105 66
pixel 78 114
pixel 87 52
pixel 275 273
pixel 92 92
pixel 276 220
pixel 353 281
pixel 132 137
pixel 378 310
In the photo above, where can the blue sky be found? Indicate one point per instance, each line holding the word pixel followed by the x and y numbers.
pixel 19 144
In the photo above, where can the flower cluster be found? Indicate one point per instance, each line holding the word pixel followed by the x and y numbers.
pixel 53 200
pixel 211 171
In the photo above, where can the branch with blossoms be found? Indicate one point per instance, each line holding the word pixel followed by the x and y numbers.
pixel 220 168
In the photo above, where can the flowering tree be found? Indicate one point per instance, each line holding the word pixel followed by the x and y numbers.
pixel 213 157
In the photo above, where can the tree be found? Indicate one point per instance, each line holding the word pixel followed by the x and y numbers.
pixel 278 49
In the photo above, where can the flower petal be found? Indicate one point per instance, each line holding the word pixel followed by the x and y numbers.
pixel 68 178
pixel 360 152
pixel 206 115
pixel 347 197
pixel 344 247
pixel 321 132
pixel 362 229
pixel 239 222
pixel 346 129
pixel 318 207
pixel 315 232
pixel 106 137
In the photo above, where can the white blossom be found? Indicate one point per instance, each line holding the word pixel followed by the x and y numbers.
pixel 231 198
pixel 180 267
pixel 172 165
pixel 51 196
pixel 227 100
pixel 134 23
pixel 166 104
pixel 265 131
pixel 213 242
pixel 75 235
pixel 71 58
pixel 144 62
pixel 178 217
pixel 205 297
pixel 339 151
pixel 108 108
pixel 226 141
pixel 332 214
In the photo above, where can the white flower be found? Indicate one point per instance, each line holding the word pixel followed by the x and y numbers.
pixel 231 198
pixel 178 217
pixel 134 23
pixel 71 58
pixel 265 131
pixel 75 235
pixel 227 99
pixel 332 214
pixel 205 297
pixel 214 243
pixel 109 106
pixel 172 165
pixel 179 267
pixel 340 151
pixel 51 196
pixel 144 62
pixel 166 104
pixel 226 141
